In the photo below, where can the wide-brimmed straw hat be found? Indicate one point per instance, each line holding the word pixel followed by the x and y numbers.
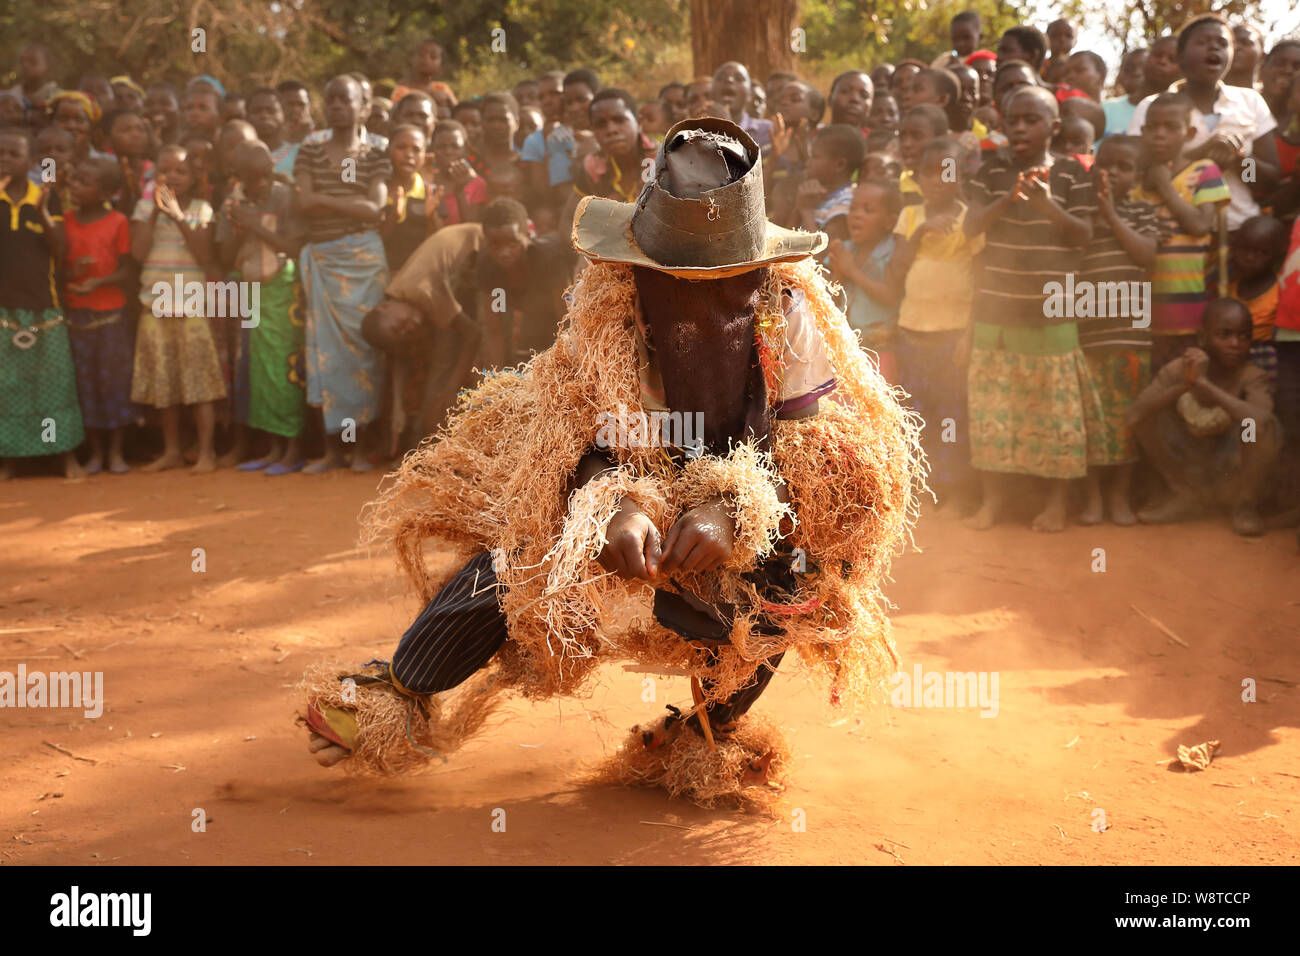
pixel 680 226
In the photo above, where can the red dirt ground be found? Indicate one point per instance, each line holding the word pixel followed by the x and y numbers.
pixel 198 670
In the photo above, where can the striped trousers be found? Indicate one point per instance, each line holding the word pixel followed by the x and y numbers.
pixel 463 627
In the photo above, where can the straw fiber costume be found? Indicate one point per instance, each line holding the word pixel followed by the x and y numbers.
pixel 694 310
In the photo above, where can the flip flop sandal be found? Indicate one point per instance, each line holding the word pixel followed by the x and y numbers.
pixel 256 464
pixel 336 726
pixel 274 471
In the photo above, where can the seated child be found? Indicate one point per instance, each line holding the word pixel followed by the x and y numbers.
pixel 933 270
pixel 860 265
pixel 1206 424
pixel 1125 235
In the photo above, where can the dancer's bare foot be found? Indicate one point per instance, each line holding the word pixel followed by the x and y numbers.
pixel 6 469
pixel 326 752
pixel 205 465
pixel 662 732
pixel 758 773
pixel 231 458
pixel 164 463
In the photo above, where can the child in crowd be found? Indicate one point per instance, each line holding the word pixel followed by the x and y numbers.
pixel 54 158
pixel 920 125
pixel 127 134
pixel 884 115
pixel 1255 251
pixel 163 111
pixel 296 100
pixel 1229 124
pixel 266 113
pixel 1286 345
pixel 860 265
pixel 98 268
pixel 500 121
pixel 77 113
pixel 407 217
pixel 1075 140
pixel 1206 424
pixel 933 269
pixel 824 196
pixel 201 107
pixel 1187 196
pixel 1086 71
pixel 39 413
pixel 176 362
pixel 463 191
pixel 344 272
pixel 1121 253
pixel 850 99
pixel 1133 89
pixel 258 240
pixel 1033 407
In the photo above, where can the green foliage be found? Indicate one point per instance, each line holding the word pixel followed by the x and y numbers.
pixel 638 44
pixel 843 34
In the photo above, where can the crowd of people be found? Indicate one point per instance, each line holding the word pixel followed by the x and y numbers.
pixel 1075 269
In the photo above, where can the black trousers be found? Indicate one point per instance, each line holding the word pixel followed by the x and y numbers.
pixel 463 627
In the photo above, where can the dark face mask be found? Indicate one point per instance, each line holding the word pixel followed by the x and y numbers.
pixel 702 335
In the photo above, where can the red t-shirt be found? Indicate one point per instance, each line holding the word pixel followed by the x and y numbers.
pixel 103 241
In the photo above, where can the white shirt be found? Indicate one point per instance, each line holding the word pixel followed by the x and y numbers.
pixel 1238 110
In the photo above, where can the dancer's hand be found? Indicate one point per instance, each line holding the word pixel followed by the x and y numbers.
pixel 701 540
pixel 632 544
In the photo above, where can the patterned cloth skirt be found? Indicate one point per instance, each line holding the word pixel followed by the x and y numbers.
pixel 176 361
pixel 39 411
pixel 1033 407
pixel 1119 375
pixel 103 350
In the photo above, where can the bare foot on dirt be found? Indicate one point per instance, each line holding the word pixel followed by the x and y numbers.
pixel 326 752
pixel 204 466
pixel 6 469
pixel 164 463
pixel 1051 518
pixel 983 519
pixel 1120 512
pixel 72 468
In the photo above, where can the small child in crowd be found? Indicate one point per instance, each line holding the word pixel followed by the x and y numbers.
pixel 860 265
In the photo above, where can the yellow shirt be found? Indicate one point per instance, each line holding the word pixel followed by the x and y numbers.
pixel 940 286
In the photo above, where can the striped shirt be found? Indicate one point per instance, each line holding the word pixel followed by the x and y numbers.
pixel 327 179
pixel 1023 250
pixel 169 256
pixel 1107 261
pixel 1178 292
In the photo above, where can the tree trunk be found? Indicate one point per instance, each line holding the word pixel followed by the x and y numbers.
pixel 756 33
